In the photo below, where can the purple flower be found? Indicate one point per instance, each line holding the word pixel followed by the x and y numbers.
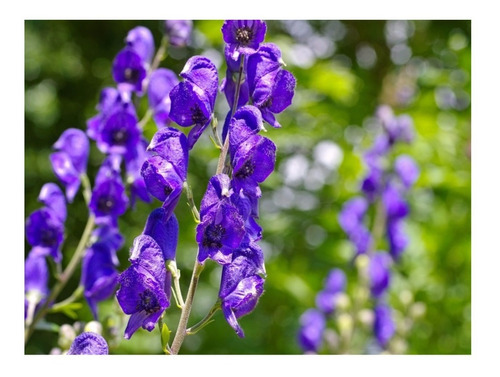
pixel 362 239
pixel 327 298
pixel 161 82
pixel 254 159
pixel 398 240
pixel 45 233
pixel 407 170
pixel 143 286
pixel 379 273
pixel 178 32
pixel 394 203
pixel 36 278
pixel 241 285
pixel 70 159
pixel 193 100
pixel 271 87
pixel 88 343
pixel 140 40
pixel 164 230
pixel 172 145
pixel 312 326
pixel 246 121
pixel 372 183
pixel 398 128
pixel 352 213
pixel 219 233
pixel 383 326
pixel 99 274
pixel 134 160
pixel 129 70
pixel 118 131
pixel 162 181
pixel 107 100
pixel 109 199
pixel 243 36
pixel 53 198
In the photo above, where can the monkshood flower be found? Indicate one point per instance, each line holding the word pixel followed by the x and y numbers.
pixel 383 326
pixel 69 161
pixel 193 100
pixel 379 273
pixel 134 160
pixel 45 226
pixel 407 170
pixel 271 87
pixel 398 240
pixel 243 36
pixel 178 32
pixel 36 278
pixel 107 99
pixel 164 230
pixel 88 343
pixel 398 128
pixel 222 228
pixel 312 326
pixel 109 200
pixel 326 299
pixel 140 40
pixel 129 70
pixel 351 221
pixel 165 171
pixel 161 82
pixel 394 202
pixel 241 285
pixel 143 286
pixel 118 132
pixel 99 273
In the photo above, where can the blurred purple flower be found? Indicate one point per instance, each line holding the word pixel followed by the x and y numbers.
pixel 407 170
pixel 326 299
pixel 140 40
pixel 129 70
pixel 379 273
pixel 178 32
pixel 161 82
pixel 312 326
pixel 383 327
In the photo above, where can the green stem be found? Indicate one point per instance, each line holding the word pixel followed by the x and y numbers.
pixel 205 321
pixel 181 333
pixel 191 203
pixel 378 227
pixel 75 296
pixel 145 119
pixel 176 275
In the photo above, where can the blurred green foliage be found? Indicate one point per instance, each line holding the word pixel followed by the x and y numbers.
pixel 344 70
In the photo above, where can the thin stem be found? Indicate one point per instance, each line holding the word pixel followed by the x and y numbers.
pixel 191 203
pixel 75 296
pixel 186 311
pixel 145 119
pixel 225 148
pixel 205 321
pixel 176 275
pixel 379 223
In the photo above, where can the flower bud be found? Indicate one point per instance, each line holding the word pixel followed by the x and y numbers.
pixel 67 335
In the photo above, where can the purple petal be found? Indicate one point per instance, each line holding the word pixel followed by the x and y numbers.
pixel 53 198
pixel 65 171
pixel 172 145
pixel 379 273
pixel 129 70
pixel 75 143
pixel 164 231
pixel 202 73
pixel 161 82
pixel 141 41
pixel 88 343
pixel 178 32
pixel 188 106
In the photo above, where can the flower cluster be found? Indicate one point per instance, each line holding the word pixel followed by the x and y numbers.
pixel 384 188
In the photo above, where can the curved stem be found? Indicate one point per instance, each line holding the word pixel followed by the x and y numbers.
pixel 205 321
pixel 186 311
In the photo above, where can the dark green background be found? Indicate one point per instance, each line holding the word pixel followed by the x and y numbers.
pixel 67 63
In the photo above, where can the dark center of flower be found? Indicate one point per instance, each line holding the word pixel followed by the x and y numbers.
pixel 105 204
pixel 246 170
pixel 197 115
pixel 119 136
pixel 48 237
pixel 244 35
pixel 168 190
pixel 213 236
pixel 131 75
pixel 149 302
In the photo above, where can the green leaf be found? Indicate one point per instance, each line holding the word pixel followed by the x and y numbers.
pixel 165 337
